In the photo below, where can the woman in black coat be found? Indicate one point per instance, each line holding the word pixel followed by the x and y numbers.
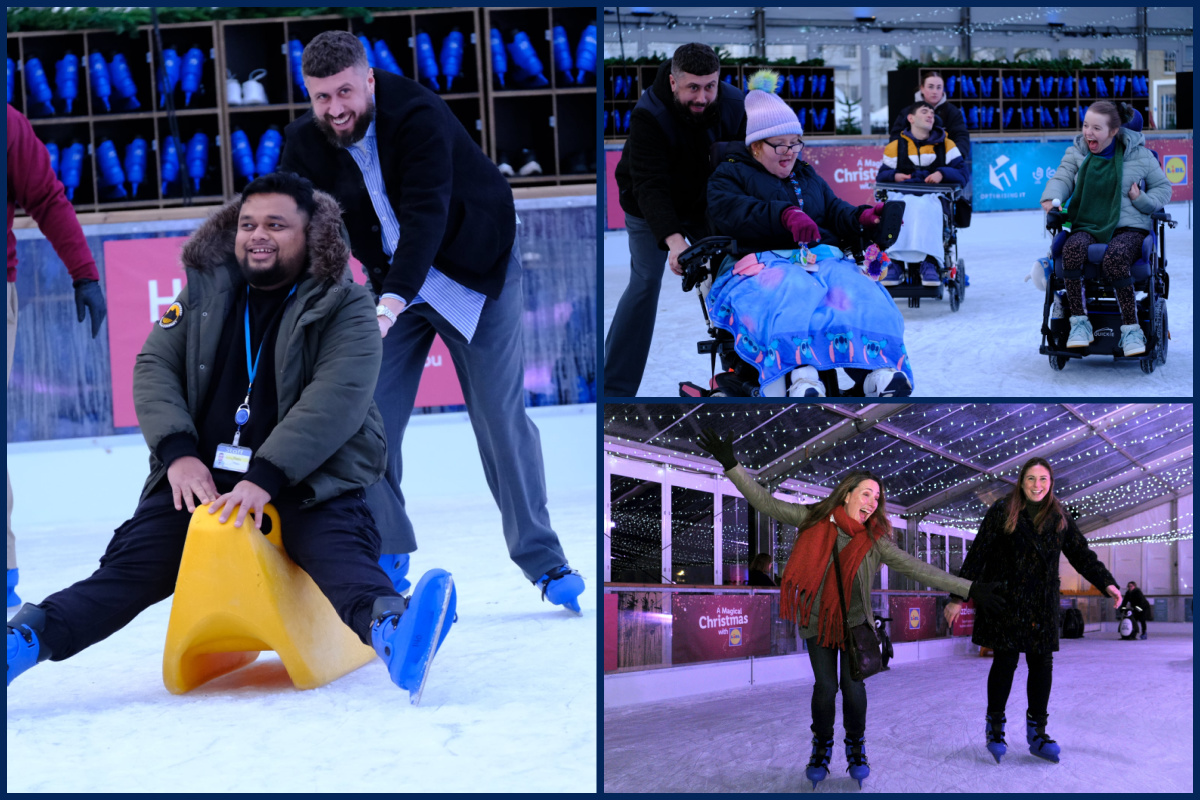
pixel 1019 543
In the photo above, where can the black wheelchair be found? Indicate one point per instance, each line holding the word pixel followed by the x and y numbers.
pixel 952 272
pixel 1150 282
pixel 701 263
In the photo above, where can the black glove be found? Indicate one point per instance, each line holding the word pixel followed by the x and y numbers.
pixel 718 448
pixel 988 597
pixel 88 297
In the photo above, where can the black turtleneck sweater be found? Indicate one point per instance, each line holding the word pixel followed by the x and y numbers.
pixel 231 376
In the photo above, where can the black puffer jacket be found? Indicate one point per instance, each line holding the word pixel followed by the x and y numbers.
pixel 1027 562
pixel 745 202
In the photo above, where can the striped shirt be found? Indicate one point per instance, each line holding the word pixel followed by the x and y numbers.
pixel 459 305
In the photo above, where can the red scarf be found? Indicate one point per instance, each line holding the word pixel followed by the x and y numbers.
pixel 806 566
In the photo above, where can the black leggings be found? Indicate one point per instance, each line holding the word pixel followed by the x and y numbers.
pixel 1004 664
pixel 1123 250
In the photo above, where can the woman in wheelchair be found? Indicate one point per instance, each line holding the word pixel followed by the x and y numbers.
pixel 794 302
pixel 1100 173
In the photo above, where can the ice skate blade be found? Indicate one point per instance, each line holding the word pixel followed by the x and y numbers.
pixel 1044 756
pixel 414 695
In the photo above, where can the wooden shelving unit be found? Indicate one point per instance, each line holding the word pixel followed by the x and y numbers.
pixel 1015 99
pixel 809 93
pixel 497 119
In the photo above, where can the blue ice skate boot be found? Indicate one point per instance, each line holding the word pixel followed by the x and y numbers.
pixel 13 599
pixel 1040 744
pixel 856 759
pixel 24 647
pixel 407 632
pixel 994 728
pixel 562 586
pixel 818 764
pixel 396 567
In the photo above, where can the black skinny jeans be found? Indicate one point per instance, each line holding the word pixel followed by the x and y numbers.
pixel 1124 248
pixel 1004 664
pixel 854 693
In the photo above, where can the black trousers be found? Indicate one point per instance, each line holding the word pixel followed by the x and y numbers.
pixel 1138 619
pixel 335 542
pixel 1037 686
pixel 825 688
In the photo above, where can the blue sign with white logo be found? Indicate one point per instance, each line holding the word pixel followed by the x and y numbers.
pixel 1009 176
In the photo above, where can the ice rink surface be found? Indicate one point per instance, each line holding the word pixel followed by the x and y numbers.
pixel 988 348
pixel 510 704
pixel 1120 710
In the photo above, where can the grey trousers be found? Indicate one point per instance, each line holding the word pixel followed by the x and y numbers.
pixel 627 345
pixel 491 370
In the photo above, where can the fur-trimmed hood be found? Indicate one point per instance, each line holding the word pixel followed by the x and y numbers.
pixel 328 253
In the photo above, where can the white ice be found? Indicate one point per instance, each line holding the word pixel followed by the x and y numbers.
pixel 988 348
pixel 1120 710
pixel 510 704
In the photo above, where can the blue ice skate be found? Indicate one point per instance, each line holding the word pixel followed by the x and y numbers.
pixel 562 586
pixel 818 764
pixel 396 567
pixel 994 728
pixel 1040 744
pixel 407 632
pixel 856 759
pixel 24 649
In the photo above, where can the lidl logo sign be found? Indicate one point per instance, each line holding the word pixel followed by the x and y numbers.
pixel 735 637
pixel 1176 169
pixel 914 619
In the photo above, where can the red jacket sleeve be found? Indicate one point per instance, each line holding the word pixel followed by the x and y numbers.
pixel 33 186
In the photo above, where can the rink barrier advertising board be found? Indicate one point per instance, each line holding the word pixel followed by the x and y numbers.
pixel 1010 176
pixel 614 219
pixel 1176 158
pixel 708 628
pixel 610 632
pixel 912 618
pixel 849 170
pixel 965 624
pixel 142 279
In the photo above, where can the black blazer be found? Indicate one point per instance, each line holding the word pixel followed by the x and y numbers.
pixel 454 207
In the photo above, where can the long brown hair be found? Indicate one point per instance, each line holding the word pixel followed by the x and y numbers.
pixel 877 524
pixel 1050 507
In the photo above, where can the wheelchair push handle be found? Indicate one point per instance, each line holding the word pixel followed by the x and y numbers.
pixel 693 260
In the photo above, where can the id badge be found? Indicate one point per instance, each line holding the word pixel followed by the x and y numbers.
pixel 233 458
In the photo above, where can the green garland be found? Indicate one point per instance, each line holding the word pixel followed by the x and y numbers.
pixel 1049 65
pixel 127 20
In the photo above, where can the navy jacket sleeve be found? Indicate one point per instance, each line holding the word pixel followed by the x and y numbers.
pixel 651 175
pixel 736 212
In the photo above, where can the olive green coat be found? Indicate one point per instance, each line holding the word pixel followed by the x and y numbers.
pixel 328 438
pixel 858 603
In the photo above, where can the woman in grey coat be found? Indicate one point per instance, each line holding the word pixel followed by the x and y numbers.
pixel 854 516
pixel 1100 174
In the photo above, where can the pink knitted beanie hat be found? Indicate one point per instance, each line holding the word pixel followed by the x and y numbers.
pixel 767 114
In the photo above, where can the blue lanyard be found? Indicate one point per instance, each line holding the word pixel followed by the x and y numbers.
pixel 243 413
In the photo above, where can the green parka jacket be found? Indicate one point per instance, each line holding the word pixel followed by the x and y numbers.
pixel 858 601
pixel 328 438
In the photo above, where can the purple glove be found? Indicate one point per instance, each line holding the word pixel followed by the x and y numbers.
pixel 801 225
pixel 870 216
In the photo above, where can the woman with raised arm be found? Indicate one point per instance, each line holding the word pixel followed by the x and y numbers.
pixel 855 518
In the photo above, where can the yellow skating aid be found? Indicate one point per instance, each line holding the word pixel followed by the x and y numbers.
pixel 238 594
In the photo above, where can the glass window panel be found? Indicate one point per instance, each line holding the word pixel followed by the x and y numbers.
pixel 692 539
pixel 637 530
pixel 735 539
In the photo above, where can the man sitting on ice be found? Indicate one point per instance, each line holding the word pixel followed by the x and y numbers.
pixel 922 153
pixel 256 386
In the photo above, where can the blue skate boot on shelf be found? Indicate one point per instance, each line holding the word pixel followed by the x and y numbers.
pixel 14 575
pixel 994 728
pixel 135 163
pixel 72 168
pixel 24 648
pixel 191 74
pixel 585 54
pixel 562 53
pixel 385 59
pixel 170 163
pixel 562 586
pixel 395 565
pixel 243 156
pixel 856 759
pixel 452 56
pixel 1040 744
pixel 499 57
pixel 169 76
pixel 407 632
pixel 40 96
pixel 197 158
pixel 427 67
pixel 66 79
pixel 296 59
pixel 123 84
pixel 266 157
pixel 100 79
pixel 818 764
pixel 372 62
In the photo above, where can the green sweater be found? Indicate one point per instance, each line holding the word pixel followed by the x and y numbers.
pixel 883 552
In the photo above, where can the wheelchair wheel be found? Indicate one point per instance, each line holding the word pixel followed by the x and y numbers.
pixel 1147 365
pixel 962 280
pixel 1058 362
pixel 954 299
pixel 1164 337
